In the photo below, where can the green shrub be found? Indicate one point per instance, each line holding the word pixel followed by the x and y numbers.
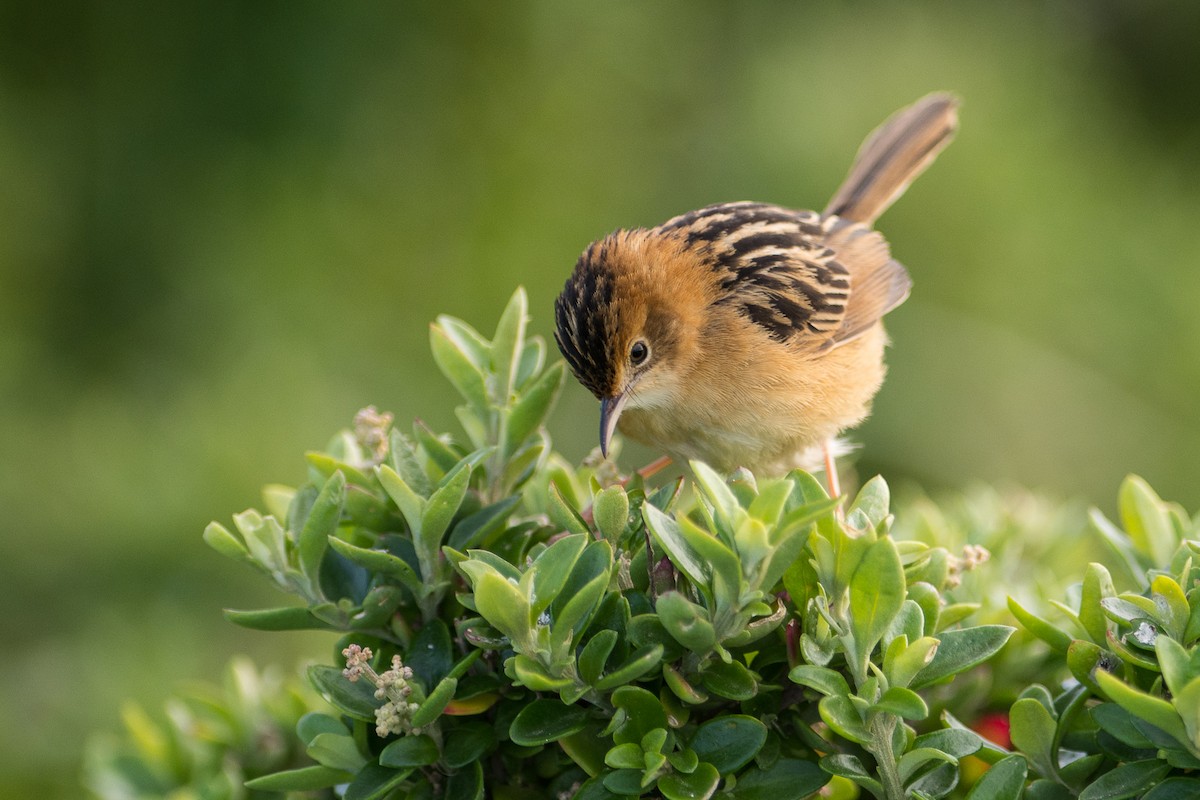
pixel 512 626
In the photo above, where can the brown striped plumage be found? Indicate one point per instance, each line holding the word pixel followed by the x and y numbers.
pixel 744 334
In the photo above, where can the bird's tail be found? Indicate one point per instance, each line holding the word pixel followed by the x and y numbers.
pixel 893 156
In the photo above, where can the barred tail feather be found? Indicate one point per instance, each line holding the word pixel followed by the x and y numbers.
pixel 893 156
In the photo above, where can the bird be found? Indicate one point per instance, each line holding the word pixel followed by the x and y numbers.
pixel 748 334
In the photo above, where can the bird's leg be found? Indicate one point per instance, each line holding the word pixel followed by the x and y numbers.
pixel 831 476
pixel 654 467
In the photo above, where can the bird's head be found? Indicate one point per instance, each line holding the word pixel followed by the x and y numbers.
pixel 628 321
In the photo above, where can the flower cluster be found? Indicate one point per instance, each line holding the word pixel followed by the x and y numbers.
pixel 395 715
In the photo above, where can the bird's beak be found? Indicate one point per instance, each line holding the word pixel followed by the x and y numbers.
pixel 610 411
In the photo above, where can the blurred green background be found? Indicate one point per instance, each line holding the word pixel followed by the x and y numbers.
pixel 226 227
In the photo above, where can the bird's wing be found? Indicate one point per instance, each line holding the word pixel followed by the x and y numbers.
pixel 813 282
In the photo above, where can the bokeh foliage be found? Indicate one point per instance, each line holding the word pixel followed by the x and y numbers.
pixel 226 227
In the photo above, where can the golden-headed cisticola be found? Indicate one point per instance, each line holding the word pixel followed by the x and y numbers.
pixel 748 334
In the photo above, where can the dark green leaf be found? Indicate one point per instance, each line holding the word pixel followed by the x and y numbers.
pixel 595 654
pixel 1032 730
pixel 732 680
pixel 374 782
pixel 1154 710
pixel 698 785
pixel 552 568
pixel 440 510
pixel 430 654
pixel 545 720
pixel 644 712
pixel 322 523
pixel 959 650
pixel 451 354
pixel 380 563
pixel 293 618
pixel 355 699
pixel 1004 781
pixel 642 662
pixel 1175 789
pixel 824 680
pixel 435 703
pixel 687 622
pixel 1052 635
pixel 478 528
pixel 903 703
pixel 468 742
pixel 1121 724
pixel 1126 780
pixel 466 784
pixel 532 407
pixel 953 741
pixel 305 779
pixel 729 742
pixel 786 779
pixel 314 723
pixel 409 751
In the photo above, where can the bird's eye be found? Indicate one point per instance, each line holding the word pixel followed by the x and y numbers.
pixel 638 353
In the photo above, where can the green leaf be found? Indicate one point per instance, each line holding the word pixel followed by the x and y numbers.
pixel 841 715
pixel 452 352
pixel 409 751
pixel 640 663
pixel 509 343
pixel 532 408
pixel 1145 518
pixel 466 784
pixel 959 650
pixel 610 510
pixel 356 699
pixel 1173 789
pixel 906 661
pixel 435 703
pixel 218 537
pixel 1058 639
pixel 903 703
pixel 380 562
pixel 727 511
pixel 851 768
pixel 916 759
pixel 552 568
pixel 1154 710
pixel 314 723
pixel 643 711
pixel 476 529
pixel 729 680
pixel 305 779
pixel 1032 730
pixel 1097 584
pixel 698 785
pixel 954 741
pixel 595 654
pixel 669 536
pixel 500 602
pixel 824 680
pixel 1005 780
pixel 439 511
pixel 467 743
pixel 873 501
pixel 687 622
pixel 876 594
pixel 545 720
pixel 322 523
pixel 786 779
pixel 1126 780
pixel 292 618
pixel 1120 724
pixel 729 742
pixel 625 756
pixel 411 504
